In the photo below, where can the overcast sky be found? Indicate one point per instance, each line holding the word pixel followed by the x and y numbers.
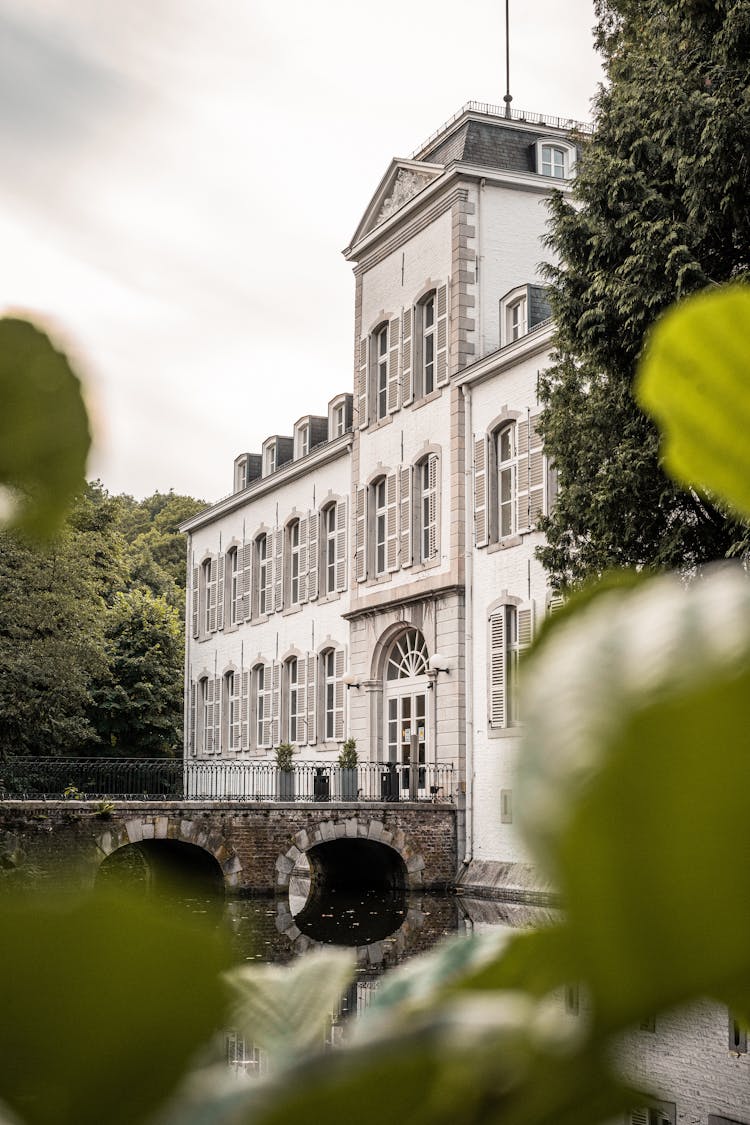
pixel 180 176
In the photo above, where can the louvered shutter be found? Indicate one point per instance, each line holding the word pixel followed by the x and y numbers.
pixel 208 716
pixel 302 699
pixel 338 695
pixel 537 474
pixel 303 564
pixel 639 1117
pixel 312 696
pixel 193 717
pixel 341 546
pixel 522 475
pixel 497 678
pixel 362 380
pixel 236 731
pixel 525 619
pixel 391 521
pixel 361 536
pixel 194 593
pixel 220 571
pixel 441 356
pixel 211 596
pixel 556 602
pixel 394 375
pixel 480 491
pixel 405 518
pixel 278 568
pixel 275 703
pixel 218 687
pixel 244 609
pixel 267 695
pixel 407 376
pixel 433 465
pixel 313 554
pixel 245 712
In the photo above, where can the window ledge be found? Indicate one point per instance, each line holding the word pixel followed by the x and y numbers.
pixel 504 544
pixel 289 610
pixel 423 400
pixel 232 628
pixel 513 731
pixel 420 567
pixel 325 598
pixel 260 619
pixel 381 422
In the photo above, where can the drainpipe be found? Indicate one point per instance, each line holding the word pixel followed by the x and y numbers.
pixel 468 626
pixel 480 274
pixel 186 716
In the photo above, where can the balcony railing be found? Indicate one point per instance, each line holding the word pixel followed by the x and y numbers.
pixel 42 778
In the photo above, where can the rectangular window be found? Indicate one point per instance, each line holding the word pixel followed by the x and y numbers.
pixel 235 588
pixel 271 458
pixel 263 576
pixel 293 700
pixel 339 421
pixel 553 161
pixel 382 372
pixel 294 562
pixel 262 710
pixel 304 440
pixel 329 700
pixel 506 477
pixel 233 710
pixel 428 345
pixel 503 670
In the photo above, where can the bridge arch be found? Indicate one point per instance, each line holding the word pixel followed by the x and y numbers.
pixel 172 831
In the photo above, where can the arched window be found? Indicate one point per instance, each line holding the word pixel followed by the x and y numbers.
pixel 231 711
pixel 407 657
pixel 406 714
pixel 263 575
pixel 426 320
pixel 505 462
pixel 262 705
pixel 293 556
pixel 553 161
pixel 380 339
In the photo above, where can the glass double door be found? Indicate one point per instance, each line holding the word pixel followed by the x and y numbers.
pixel 407 739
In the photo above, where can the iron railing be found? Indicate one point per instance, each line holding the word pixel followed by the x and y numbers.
pixel 48 778
pixel 551 120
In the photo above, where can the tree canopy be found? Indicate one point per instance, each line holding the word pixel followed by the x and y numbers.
pixel 660 208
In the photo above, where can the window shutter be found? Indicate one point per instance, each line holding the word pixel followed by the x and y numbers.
pixel 497 709
pixel 639 1116
pixel 301 699
pixel 211 595
pixel 522 475
pixel 537 474
pixel 266 725
pixel 407 379
pixel 220 570
pixel 245 712
pixel 364 363
pixel 313 554
pixel 441 351
pixel 278 568
pixel 341 546
pixel 405 516
pixel 193 717
pixel 194 593
pixel 235 735
pixel 275 703
pixel 312 696
pixel 208 713
pixel 217 715
pixel 480 491
pixel 555 602
pixel 394 377
pixel 303 564
pixel 244 609
pixel 391 522
pixel 361 537
pixel 432 500
pixel 338 696
pixel 525 618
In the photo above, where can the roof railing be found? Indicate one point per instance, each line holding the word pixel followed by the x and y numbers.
pixel 508 114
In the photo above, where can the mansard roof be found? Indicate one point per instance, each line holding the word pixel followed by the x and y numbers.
pixel 481 135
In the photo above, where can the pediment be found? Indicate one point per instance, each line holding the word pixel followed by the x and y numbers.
pixel 401 183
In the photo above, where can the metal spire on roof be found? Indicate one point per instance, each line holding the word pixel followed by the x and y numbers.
pixel 508 97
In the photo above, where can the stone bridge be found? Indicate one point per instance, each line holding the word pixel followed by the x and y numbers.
pixel 249 847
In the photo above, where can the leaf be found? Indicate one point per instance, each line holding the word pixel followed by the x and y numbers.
pixel 286 1008
pixel 479 1059
pixel 96 988
pixel 634 789
pixel 694 379
pixel 44 431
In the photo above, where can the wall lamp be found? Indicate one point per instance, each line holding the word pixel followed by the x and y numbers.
pixel 438 663
pixel 351 681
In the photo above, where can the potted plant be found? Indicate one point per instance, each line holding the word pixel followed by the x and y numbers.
pixel 348 759
pixel 284 763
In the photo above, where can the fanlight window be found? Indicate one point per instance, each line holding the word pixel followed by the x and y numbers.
pixel 408 657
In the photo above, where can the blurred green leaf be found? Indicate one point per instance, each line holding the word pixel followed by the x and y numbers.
pixel 695 381
pixel 287 1008
pixel 635 790
pixel 44 431
pixel 104 1002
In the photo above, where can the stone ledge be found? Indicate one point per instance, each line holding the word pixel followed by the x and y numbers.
pixel 511 882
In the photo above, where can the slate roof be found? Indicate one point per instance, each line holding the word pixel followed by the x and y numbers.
pixel 488 144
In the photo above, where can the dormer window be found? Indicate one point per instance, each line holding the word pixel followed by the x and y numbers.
pixel 271 459
pixel 339 420
pixel 241 475
pixel 303 440
pixel 517 319
pixel 555 159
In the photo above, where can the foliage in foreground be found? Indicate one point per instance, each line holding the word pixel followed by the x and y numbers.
pixel 626 693
pixel 660 208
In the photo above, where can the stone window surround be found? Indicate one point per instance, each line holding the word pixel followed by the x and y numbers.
pixel 568 150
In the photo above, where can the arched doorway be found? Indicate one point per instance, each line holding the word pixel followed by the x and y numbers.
pixel 406 735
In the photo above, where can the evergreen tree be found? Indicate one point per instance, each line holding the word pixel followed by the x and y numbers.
pixel 660 208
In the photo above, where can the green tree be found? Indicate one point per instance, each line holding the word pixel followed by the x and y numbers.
pixel 137 705
pixel 660 208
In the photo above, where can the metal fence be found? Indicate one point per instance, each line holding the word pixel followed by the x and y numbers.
pixel 29 778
